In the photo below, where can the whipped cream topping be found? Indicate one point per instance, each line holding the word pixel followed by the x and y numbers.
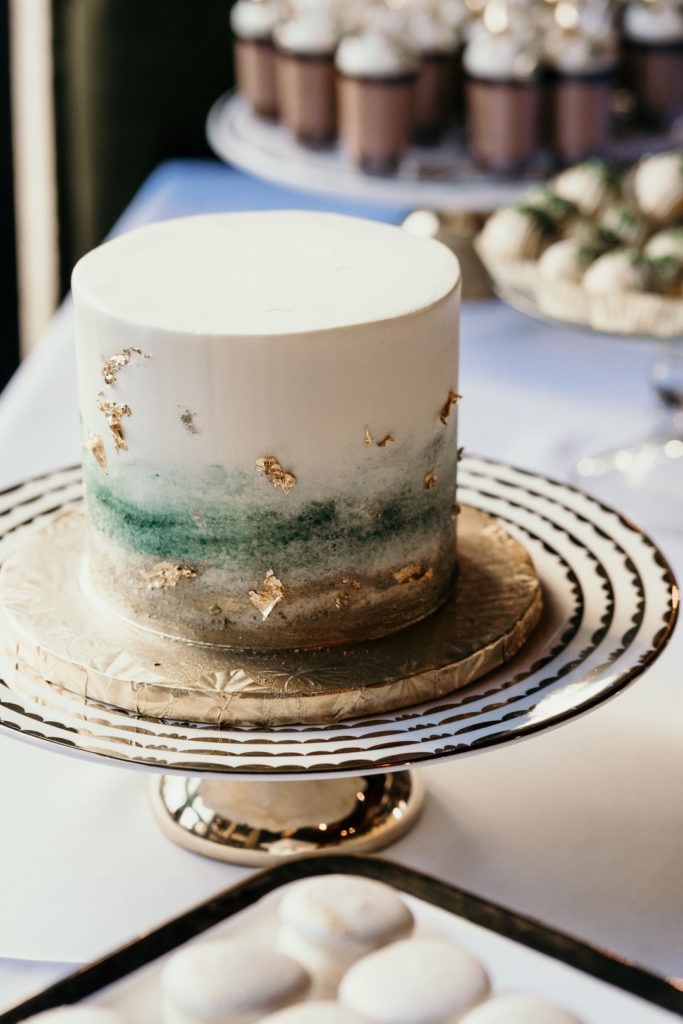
pixel 255 19
pixel 454 13
pixel 577 54
pixel 314 32
pixel 428 34
pixel 654 22
pixel 390 21
pixel 373 54
pixel 501 55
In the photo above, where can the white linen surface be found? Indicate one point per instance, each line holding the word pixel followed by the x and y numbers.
pixel 581 827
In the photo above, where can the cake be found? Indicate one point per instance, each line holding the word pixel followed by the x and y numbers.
pixel 268 404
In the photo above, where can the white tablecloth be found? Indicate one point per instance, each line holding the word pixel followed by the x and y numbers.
pixel 582 827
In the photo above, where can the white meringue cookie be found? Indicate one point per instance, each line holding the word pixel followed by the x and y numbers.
pixel 519 1009
pixel 416 981
pixel 227 982
pixel 328 923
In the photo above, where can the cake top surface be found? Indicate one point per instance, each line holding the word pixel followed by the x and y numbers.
pixel 283 272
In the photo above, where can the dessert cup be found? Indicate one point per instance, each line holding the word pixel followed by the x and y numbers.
pixel 306 79
pixel 253 24
pixel 503 122
pixel 376 81
pixel 582 114
pixel 375 120
pixel 437 81
pixel 306 85
pixel 653 59
pixel 583 64
pixel 504 91
pixel 436 96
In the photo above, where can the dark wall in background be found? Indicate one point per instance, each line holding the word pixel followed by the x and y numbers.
pixel 134 80
pixel 9 327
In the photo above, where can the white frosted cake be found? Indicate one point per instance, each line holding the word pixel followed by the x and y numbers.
pixel 269 416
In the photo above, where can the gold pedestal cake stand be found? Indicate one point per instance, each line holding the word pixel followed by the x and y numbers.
pixel 235 778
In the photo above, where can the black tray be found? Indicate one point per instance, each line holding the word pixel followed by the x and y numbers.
pixel 526 931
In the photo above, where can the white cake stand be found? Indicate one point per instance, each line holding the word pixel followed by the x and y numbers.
pixel 258 795
pixel 439 177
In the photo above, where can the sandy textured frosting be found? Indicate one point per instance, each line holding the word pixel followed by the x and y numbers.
pixel 654 22
pixel 262 399
pixel 374 54
pixel 255 19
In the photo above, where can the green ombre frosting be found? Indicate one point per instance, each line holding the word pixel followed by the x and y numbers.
pixel 227 520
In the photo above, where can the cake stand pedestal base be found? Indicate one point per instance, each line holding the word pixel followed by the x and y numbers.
pixel 257 824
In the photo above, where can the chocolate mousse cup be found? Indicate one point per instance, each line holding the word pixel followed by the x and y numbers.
pixel 376 119
pixel 307 93
pixel 654 71
pixel 504 122
pixel 582 115
pixel 435 96
pixel 256 75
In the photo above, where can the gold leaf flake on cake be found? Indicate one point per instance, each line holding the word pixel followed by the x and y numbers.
pixel 114 414
pixel 369 438
pixel 270 593
pixel 117 362
pixel 430 479
pixel 96 447
pixel 413 573
pixel 453 399
pixel 275 474
pixel 167 574
pixel 187 420
pixel 342 598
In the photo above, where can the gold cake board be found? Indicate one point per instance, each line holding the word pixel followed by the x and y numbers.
pixel 58 636
pixel 58 632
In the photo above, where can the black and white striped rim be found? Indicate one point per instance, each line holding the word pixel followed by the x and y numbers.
pixel 611 604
